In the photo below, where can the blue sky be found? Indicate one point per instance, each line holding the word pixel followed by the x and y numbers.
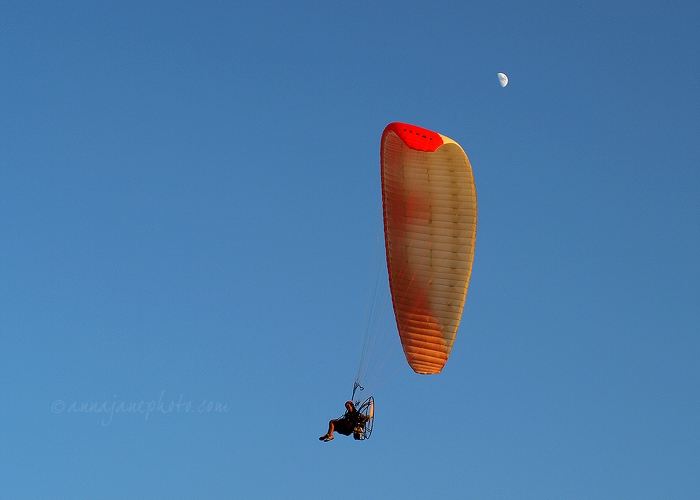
pixel 189 200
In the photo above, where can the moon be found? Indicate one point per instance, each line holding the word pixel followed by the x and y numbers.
pixel 502 79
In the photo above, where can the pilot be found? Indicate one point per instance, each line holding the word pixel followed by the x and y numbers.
pixel 346 424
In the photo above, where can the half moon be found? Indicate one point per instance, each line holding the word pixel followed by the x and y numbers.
pixel 502 79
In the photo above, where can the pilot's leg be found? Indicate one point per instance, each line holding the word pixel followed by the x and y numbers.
pixel 329 435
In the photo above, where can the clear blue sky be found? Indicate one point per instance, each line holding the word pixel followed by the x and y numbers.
pixel 189 199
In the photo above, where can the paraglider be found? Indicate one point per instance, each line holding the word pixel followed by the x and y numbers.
pixel 429 211
pixel 357 422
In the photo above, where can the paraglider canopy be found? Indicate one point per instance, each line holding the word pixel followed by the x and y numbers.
pixel 430 217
